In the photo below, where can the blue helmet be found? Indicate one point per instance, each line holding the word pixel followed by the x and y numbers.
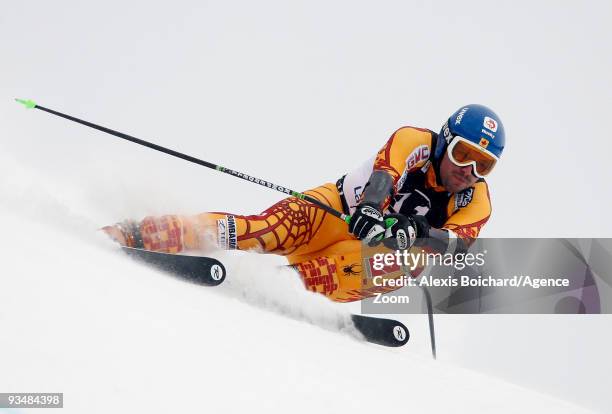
pixel 477 124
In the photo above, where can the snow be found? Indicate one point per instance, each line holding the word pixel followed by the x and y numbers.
pixel 297 93
pixel 115 336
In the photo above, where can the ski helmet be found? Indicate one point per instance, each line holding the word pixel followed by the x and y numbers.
pixel 477 124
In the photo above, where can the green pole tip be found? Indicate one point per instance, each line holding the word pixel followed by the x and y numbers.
pixel 27 103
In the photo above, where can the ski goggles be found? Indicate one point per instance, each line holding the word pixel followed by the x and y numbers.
pixel 463 153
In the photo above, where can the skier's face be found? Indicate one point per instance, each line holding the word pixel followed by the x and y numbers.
pixel 455 178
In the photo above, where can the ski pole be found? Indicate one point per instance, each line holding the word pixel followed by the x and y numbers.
pixel 345 217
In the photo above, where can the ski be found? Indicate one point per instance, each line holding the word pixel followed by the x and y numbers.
pixel 381 331
pixel 211 272
pixel 201 270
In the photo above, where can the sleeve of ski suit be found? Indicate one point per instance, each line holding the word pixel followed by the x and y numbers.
pixel 407 150
pixel 466 222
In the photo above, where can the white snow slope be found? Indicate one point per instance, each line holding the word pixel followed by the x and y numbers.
pixel 299 93
pixel 114 336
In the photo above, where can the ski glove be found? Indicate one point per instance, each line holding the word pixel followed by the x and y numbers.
pixel 367 223
pixel 401 232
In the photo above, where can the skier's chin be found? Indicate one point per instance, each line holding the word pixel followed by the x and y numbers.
pixel 453 185
pixel 454 188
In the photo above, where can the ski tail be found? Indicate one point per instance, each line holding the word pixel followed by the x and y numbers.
pixel 201 270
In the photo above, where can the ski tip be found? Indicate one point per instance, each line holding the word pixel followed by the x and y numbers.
pixel 28 103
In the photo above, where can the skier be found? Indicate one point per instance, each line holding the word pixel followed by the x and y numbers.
pixel 420 185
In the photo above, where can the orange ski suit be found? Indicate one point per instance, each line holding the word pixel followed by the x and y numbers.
pixel 328 258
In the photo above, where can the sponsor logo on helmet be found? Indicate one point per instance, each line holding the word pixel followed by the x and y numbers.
pixel 488 133
pixel 460 115
pixel 446 132
pixel 484 142
pixel 490 124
